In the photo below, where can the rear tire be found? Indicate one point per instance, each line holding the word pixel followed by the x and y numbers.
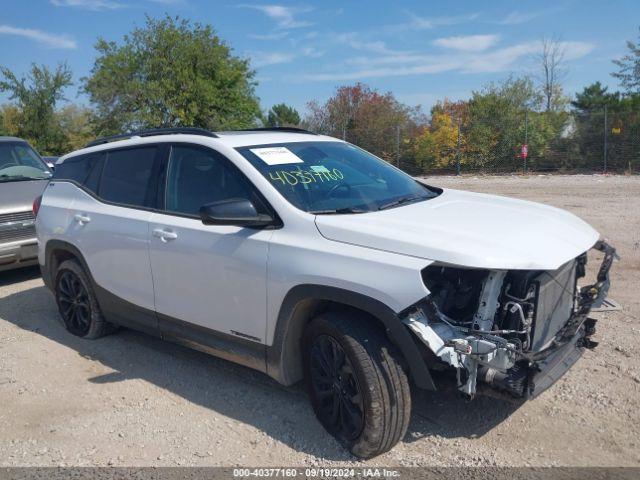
pixel 358 389
pixel 77 302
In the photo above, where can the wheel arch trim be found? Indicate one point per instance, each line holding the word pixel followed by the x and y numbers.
pixel 47 269
pixel 284 355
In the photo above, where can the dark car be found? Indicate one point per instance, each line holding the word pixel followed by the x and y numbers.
pixel 23 176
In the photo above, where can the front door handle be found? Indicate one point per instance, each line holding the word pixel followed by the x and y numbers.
pixel 81 219
pixel 164 235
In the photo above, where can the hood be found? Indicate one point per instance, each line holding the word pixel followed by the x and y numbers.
pixel 19 196
pixel 469 229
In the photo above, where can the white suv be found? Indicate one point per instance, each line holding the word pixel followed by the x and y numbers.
pixel 305 257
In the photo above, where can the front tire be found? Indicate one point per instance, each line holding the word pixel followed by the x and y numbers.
pixel 358 389
pixel 77 302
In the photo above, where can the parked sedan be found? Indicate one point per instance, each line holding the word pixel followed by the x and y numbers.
pixel 23 176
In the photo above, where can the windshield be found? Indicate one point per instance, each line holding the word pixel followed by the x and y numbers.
pixel 334 177
pixel 18 161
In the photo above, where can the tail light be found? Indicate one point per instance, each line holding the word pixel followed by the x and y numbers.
pixel 36 205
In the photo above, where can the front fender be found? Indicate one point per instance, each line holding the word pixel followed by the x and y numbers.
pixel 284 357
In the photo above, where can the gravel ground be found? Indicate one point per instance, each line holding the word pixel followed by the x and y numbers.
pixel 131 400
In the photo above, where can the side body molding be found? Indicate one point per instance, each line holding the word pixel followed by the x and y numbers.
pixel 284 356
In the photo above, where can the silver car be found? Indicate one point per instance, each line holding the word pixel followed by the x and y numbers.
pixel 23 176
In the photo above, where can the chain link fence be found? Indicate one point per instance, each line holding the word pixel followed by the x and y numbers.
pixel 564 142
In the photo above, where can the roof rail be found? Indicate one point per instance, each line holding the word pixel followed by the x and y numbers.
pixel 277 129
pixel 153 132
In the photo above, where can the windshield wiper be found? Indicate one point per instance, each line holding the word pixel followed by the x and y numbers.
pixel 19 178
pixel 338 211
pixel 402 201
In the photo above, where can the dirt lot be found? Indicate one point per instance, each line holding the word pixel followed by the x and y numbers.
pixel 129 399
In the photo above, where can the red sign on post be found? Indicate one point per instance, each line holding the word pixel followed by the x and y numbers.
pixel 524 153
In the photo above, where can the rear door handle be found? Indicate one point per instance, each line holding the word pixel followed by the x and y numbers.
pixel 81 219
pixel 164 235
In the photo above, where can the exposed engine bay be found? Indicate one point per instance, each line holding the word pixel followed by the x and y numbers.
pixel 516 331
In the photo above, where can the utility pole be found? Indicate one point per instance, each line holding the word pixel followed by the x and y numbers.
pixel 398 145
pixel 526 138
pixel 604 152
pixel 458 150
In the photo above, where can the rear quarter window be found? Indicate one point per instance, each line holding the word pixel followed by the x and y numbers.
pixel 82 169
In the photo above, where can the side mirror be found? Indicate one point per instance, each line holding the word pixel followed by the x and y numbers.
pixel 236 211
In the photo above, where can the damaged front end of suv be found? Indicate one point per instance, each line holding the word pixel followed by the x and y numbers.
pixel 515 331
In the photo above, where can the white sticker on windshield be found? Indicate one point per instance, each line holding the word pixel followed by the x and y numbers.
pixel 276 155
pixel 319 169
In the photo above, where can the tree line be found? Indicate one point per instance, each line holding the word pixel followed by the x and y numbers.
pixel 173 72
pixel 487 131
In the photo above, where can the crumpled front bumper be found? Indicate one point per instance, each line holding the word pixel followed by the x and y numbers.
pixel 559 360
pixel 487 364
pixel 549 365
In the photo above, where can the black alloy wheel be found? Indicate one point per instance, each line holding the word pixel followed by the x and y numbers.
pixel 73 300
pixel 336 387
pixel 357 385
pixel 77 303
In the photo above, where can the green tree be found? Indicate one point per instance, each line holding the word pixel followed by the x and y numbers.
pixel 622 129
pixel 75 121
pixel 10 117
pixel 595 97
pixel 504 116
pixel 496 123
pixel 36 96
pixel 170 73
pixel 629 68
pixel 282 115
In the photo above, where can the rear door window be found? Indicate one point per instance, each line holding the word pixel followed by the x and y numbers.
pixel 127 176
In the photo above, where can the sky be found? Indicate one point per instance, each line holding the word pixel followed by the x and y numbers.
pixel 420 50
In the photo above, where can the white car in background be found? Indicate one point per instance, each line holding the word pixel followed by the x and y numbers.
pixel 307 258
